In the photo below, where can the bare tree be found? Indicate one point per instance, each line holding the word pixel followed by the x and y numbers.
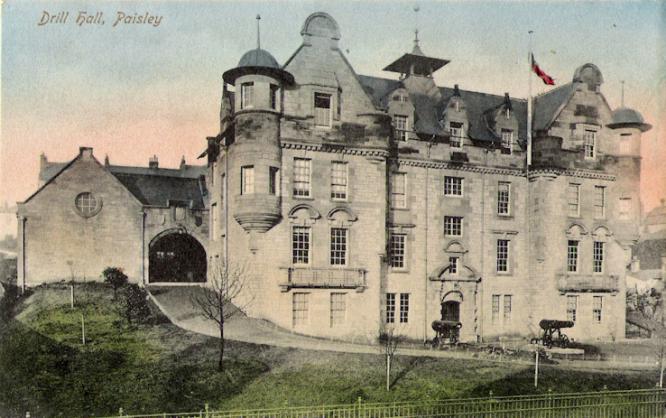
pixel 219 300
pixel 389 339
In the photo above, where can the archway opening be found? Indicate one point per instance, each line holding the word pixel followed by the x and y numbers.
pixel 450 311
pixel 177 258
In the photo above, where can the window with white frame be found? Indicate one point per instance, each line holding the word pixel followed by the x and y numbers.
pixel 507 308
pixel 598 257
pixel 338 308
pixel 404 308
pixel 322 109
pixel 300 245
pixel 456 130
pixel 247 179
pixel 453 265
pixel 599 201
pixel 503 198
pixel 597 306
pixel 453 186
pixel 397 250
pixel 453 226
pixel 502 255
pixel 247 95
pixel 495 308
pixel 300 308
pixel 572 307
pixel 573 199
pixel 302 173
pixel 401 126
pixel 339 246
pixel 275 96
pixel 590 142
pixel 572 256
pixel 399 190
pixel 507 140
pixel 624 208
pixel 390 308
pixel 86 204
pixel 274 181
pixel 338 180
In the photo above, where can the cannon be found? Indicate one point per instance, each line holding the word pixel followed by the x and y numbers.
pixel 447 332
pixel 552 333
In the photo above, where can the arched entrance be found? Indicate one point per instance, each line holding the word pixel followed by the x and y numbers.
pixel 176 257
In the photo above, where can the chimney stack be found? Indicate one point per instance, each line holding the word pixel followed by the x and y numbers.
pixel 153 162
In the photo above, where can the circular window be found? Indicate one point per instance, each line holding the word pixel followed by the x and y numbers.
pixel 87 205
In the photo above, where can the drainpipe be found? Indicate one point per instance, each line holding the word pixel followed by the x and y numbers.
pixel 425 251
pixel 24 221
pixel 226 209
pixel 143 247
pixel 483 242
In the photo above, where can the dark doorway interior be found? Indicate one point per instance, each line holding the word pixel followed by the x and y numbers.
pixel 451 311
pixel 177 258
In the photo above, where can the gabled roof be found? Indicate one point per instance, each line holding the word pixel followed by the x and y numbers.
pixel 158 190
pixel 548 105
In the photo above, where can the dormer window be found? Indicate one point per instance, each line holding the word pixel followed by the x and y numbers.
pixel 247 93
pixel 507 140
pixel 322 108
pixel 590 143
pixel 456 130
pixel 400 123
pixel 507 113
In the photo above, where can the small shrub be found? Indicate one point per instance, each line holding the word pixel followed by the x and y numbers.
pixel 134 304
pixel 115 277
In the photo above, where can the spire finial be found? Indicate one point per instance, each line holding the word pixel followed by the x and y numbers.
pixel 416 25
pixel 622 99
pixel 258 33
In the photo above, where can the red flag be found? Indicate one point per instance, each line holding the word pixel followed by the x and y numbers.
pixel 542 75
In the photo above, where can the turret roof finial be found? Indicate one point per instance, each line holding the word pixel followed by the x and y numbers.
pixel 258 33
pixel 622 99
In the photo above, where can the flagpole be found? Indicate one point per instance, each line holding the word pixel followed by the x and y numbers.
pixel 530 58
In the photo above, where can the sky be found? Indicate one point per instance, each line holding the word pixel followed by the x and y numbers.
pixel 133 90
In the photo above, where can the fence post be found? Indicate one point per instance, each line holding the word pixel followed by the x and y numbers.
pixel 206 408
pixel 359 400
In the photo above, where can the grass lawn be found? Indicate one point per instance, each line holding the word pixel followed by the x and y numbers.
pixel 157 367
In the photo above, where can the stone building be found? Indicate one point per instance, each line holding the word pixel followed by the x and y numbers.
pixel 362 201
pixel 86 216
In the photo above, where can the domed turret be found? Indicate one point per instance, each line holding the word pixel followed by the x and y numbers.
pixel 625 117
pixel 260 62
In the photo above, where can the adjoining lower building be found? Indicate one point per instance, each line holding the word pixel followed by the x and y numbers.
pixel 363 202
pixel 151 222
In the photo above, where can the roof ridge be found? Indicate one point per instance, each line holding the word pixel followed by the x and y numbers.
pixel 545 93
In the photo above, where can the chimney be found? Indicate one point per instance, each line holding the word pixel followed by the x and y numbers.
pixel 182 163
pixel 106 160
pixel 43 161
pixel 86 152
pixel 153 162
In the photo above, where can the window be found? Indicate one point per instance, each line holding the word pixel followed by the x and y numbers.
pixel 338 180
pixel 247 179
pixel 338 247
pixel 301 177
pixel 274 181
pixel 507 139
pixel 453 186
pixel 572 256
pixel 399 190
pixel 625 144
pixel 503 198
pixel 624 207
pixel 247 93
pixel 86 204
pixel 179 213
pixel 599 201
pixel 300 309
pixel 322 108
pixel 275 96
pixel 397 250
pixel 214 220
pixel 590 141
pixel 598 257
pixel 573 199
pixel 223 189
pixel 572 306
pixel 455 128
pixel 507 308
pixel 502 255
pixel 404 308
pixel 401 127
pixel 390 308
pixel 597 305
pixel 453 226
pixel 338 309
pixel 300 245
pixel 453 265
pixel 496 308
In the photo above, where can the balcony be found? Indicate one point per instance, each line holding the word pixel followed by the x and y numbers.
pixel 588 283
pixel 324 278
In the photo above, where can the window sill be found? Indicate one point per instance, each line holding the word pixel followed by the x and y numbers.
pixel 403 209
pixel 503 273
pixel 454 196
pixel 398 270
pixel 339 200
pixel 503 216
pixel 302 197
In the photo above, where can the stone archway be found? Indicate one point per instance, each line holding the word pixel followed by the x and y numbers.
pixel 176 258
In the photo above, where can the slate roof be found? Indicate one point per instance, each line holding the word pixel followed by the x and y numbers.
pixel 49 170
pixel 548 105
pixel 158 190
pixel 428 113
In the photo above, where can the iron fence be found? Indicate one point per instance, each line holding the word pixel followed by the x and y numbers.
pixel 604 404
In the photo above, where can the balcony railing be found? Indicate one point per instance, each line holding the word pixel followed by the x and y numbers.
pixel 588 283
pixel 327 278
